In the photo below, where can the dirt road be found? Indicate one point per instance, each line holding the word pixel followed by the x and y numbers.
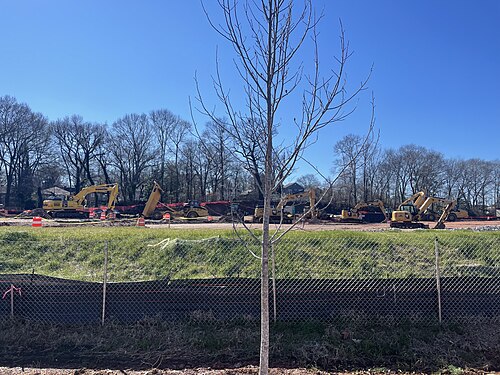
pixel 328 226
pixel 216 224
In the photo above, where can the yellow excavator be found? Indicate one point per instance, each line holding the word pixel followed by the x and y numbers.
pixel 373 211
pixel 277 213
pixel 74 205
pixel 413 209
pixel 190 210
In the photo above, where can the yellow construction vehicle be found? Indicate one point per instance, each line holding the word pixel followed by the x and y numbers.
pixel 189 210
pixel 278 215
pixel 74 205
pixel 458 214
pixel 373 212
pixel 412 210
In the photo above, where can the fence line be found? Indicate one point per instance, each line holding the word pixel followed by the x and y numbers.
pixel 218 279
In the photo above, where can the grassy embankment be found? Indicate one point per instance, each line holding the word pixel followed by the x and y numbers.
pixel 139 253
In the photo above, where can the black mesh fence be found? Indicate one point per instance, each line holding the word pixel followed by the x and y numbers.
pixel 218 279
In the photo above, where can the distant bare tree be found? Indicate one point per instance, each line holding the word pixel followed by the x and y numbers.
pixel 177 136
pixel 496 184
pixel 349 148
pixel 66 135
pixel 131 145
pixel 215 145
pixel 33 155
pixel 478 175
pixel 23 135
pixel 91 137
pixel 309 181
pixel 162 122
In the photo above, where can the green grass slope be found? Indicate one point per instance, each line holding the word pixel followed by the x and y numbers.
pixel 142 254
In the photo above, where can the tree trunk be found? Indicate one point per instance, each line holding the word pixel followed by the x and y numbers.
pixel 8 189
pixel 264 301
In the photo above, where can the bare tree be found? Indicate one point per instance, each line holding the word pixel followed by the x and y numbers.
pixel 132 151
pixel 23 137
pixel 177 136
pixel 91 137
pixel 217 141
pixel 267 37
pixel 66 135
pixel 162 121
pixel 32 155
pixel 309 181
pixel 348 149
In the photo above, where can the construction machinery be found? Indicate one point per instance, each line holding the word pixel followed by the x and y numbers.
pixel 74 205
pixel 368 212
pixel 458 214
pixel 412 210
pixel 155 210
pixel 278 214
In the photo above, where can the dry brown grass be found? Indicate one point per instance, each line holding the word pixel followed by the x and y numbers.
pixel 355 346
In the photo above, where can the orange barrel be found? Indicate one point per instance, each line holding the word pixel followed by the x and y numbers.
pixel 210 218
pixel 103 215
pixel 140 222
pixel 166 216
pixel 37 222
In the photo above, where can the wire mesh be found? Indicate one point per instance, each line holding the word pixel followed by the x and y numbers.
pixel 314 277
pixel 50 281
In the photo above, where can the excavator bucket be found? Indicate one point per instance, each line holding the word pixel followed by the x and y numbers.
pixel 153 200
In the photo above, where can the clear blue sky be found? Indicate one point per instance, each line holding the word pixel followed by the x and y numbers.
pixel 436 64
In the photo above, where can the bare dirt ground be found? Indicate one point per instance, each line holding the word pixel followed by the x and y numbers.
pixel 216 224
pixel 208 371
pixel 328 226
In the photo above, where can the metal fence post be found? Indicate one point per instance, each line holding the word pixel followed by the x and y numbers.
pixel 104 283
pixel 438 278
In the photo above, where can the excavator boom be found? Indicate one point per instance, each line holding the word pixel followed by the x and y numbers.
pixel 112 189
pixel 444 215
pixel 311 194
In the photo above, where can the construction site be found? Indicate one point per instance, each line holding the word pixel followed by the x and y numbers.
pixel 97 206
pixel 249 187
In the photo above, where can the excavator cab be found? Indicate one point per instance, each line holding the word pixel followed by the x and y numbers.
pixel 401 216
pixel 409 208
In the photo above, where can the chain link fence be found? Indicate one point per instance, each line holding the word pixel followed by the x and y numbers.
pixel 321 277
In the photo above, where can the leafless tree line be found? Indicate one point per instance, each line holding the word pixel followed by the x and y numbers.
pixel 394 174
pixel 134 150
pixel 137 149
